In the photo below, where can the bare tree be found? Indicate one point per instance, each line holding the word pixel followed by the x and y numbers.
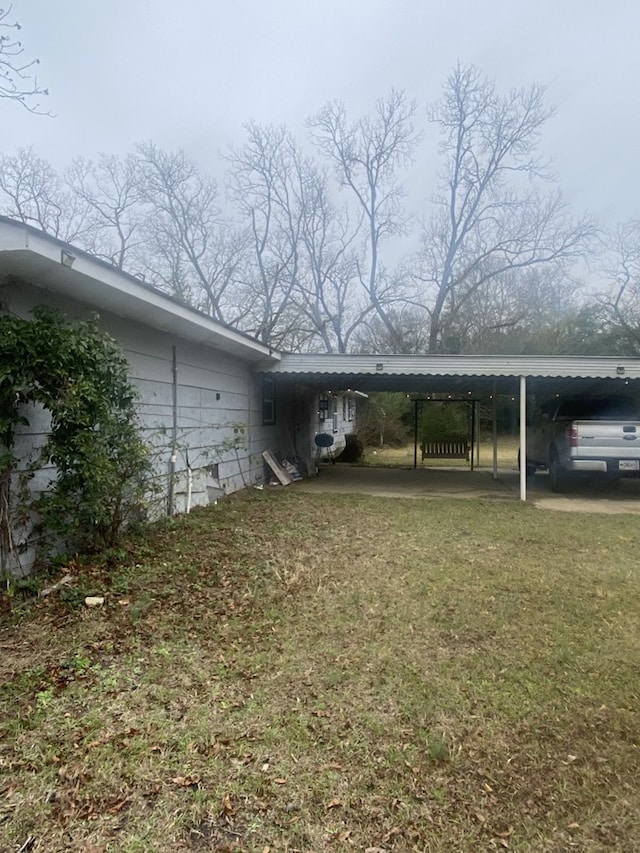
pixel 32 192
pixel 512 312
pixel 410 332
pixel 491 220
pixel 262 186
pixel 17 79
pixel 302 272
pixel 299 271
pixel 189 248
pixel 111 192
pixel 620 299
pixel 367 155
pixel 328 291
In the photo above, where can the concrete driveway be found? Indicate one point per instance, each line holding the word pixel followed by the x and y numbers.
pixel 621 497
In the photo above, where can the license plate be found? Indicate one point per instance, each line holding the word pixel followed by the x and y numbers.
pixel 628 465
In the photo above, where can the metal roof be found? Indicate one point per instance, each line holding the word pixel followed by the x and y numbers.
pixel 456 373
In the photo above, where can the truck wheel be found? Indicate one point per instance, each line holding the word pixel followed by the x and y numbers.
pixel 558 478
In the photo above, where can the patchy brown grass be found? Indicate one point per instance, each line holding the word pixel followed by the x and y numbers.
pixel 403 456
pixel 318 673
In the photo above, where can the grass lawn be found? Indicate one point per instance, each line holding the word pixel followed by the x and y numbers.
pixel 295 672
pixel 403 456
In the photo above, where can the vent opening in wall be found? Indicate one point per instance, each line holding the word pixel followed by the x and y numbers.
pixel 215 489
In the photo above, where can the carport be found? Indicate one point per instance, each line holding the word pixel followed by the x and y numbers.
pixel 465 376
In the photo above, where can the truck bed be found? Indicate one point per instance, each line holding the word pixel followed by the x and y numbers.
pixel 583 436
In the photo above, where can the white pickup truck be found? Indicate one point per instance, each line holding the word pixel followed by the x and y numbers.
pixel 597 436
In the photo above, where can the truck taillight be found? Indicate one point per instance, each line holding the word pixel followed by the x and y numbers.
pixel 572 436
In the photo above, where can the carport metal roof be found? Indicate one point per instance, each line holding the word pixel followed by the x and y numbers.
pixel 498 374
pixel 455 373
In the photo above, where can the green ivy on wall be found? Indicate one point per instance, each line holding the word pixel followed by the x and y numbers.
pixel 80 376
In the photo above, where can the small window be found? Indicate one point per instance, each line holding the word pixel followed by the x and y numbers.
pixel 268 400
pixel 323 408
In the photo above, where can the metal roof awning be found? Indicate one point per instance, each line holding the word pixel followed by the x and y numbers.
pixel 456 373
pixel 517 375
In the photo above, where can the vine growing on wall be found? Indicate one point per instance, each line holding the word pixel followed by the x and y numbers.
pixel 99 464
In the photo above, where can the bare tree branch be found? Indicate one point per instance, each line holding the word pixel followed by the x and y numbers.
pixel 491 220
pixel 18 81
pixel 188 244
pixel 366 155
pixel 33 193
pixel 111 191
pixel 621 270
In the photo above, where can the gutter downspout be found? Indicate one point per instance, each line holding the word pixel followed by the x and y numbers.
pixel 523 438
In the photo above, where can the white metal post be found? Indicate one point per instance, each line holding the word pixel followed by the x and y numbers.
pixel 523 438
pixel 494 415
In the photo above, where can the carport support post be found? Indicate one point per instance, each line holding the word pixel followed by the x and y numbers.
pixel 523 438
pixel 477 407
pixel 473 431
pixel 494 428
pixel 415 433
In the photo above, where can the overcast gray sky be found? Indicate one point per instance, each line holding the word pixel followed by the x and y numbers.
pixel 188 74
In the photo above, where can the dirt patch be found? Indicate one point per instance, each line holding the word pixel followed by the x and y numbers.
pixel 588 495
pixel 576 503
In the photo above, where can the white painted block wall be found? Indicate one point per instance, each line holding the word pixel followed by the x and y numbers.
pixel 220 434
pixel 219 407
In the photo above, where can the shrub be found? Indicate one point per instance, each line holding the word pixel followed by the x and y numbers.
pixel 80 376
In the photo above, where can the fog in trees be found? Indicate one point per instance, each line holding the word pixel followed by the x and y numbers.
pixel 495 217
pixel 367 155
pixel 619 299
pixel 308 242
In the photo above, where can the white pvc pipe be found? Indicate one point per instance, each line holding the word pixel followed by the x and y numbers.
pixel 189 488
pixel 523 438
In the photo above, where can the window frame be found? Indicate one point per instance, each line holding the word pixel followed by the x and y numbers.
pixel 268 401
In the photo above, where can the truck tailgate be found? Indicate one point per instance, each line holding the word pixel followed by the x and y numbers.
pixel 606 439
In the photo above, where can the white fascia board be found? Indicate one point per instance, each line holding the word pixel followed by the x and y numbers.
pixel 598 367
pixel 38 258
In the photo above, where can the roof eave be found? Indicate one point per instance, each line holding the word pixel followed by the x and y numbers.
pixel 58 267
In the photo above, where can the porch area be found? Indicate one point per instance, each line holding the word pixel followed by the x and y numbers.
pixel 613 498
